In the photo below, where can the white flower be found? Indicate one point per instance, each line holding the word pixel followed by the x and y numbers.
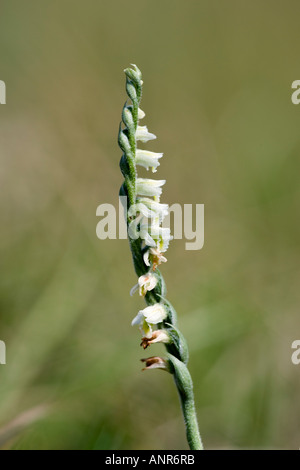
pixel 162 210
pixel 148 187
pixel 148 159
pixel 153 235
pixel 154 314
pixel 156 236
pixel 149 208
pixel 148 317
pixel 142 209
pixel 155 256
pixel 145 284
pixel 141 114
pixel 143 134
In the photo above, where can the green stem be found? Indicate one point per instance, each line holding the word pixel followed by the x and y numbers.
pixel 191 423
pixel 184 384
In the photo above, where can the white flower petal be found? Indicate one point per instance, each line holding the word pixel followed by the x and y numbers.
pixel 162 210
pixel 143 134
pixel 138 320
pixel 148 159
pixel 142 209
pixel 160 336
pixel 156 257
pixel 154 230
pixel 148 187
pixel 144 235
pixel 154 313
pixel 141 114
pixel 134 289
pixel 146 258
pixel 147 282
pixel 162 236
pixel 165 233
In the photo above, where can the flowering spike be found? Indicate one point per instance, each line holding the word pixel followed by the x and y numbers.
pixel 148 242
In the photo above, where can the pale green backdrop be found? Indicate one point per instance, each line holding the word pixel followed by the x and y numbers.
pixel 217 93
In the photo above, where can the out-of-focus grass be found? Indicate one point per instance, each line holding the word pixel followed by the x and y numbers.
pixel 217 93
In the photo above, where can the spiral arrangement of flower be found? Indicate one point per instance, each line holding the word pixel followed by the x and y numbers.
pixel 149 241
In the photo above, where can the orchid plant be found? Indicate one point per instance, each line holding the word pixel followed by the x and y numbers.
pixel 149 241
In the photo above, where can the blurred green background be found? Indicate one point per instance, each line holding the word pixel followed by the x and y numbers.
pixel 217 93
